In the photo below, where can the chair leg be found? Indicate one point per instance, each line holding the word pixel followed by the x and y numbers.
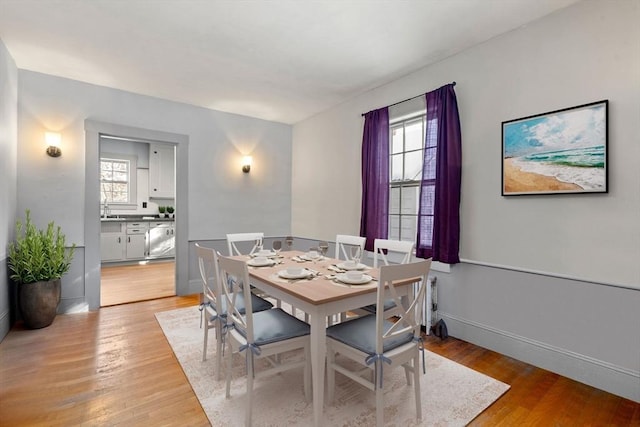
pixel 247 418
pixel 416 380
pixel 379 405
pixel 206 339
pixel 218 350
pixel 229 351
pixel 331 374
pixel 407 373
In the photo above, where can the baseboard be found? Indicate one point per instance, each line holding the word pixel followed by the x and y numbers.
pixel 73 305
pixel 194 287
pixel 5 323
pixel 596 373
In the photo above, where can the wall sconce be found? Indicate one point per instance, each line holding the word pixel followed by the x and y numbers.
pixel 53 143
pixel 246 164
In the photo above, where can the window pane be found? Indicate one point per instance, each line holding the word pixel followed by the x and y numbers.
pixel 409 200
pixel 413 165
pixel 409 228
pixel 394 200
pixel 413 135
pixel 430 163
pixel 428 199
pixel 426 235
pixel 396 167
pixel 394 227
pixel 396 140
pixel 121 166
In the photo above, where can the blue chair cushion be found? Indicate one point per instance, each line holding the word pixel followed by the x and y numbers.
pixel 360 333
pixel 388 305
pixel 257 303
pixel 276 325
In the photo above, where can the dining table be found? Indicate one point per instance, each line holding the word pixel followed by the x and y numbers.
pixel 319 294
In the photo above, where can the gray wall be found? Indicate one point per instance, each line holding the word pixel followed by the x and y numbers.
pixel 221 199
pixel 8 175
pixel 514 290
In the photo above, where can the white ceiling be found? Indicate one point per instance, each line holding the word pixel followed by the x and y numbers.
pixel 279 60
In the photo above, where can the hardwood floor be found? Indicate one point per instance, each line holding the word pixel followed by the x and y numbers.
pixel 115 367
pixel 121 284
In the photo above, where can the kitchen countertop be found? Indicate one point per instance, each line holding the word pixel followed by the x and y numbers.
pixel 129 218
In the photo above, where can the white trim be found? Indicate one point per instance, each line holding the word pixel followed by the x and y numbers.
pixel 594 372
pixel 549 274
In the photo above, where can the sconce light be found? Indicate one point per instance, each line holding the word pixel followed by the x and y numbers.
pixel 53 144
pixel 246 164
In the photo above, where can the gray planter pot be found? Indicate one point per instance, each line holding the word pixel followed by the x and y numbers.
pixel 39 303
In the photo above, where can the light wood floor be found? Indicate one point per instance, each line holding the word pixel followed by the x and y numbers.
pixel 115 367
pixel 121 284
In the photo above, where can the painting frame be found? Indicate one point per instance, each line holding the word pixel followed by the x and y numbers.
pixel 559 152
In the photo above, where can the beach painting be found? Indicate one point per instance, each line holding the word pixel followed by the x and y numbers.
pixel 562 151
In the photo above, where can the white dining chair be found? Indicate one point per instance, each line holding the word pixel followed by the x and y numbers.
pixel 259 335
pixel 344 242
pixel 235 238
pixel 382 249
pixel 378 343
pixel 213 308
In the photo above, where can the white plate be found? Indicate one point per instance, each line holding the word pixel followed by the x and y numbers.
pixel 269 255
pixel 363 280
pixel 302 275
pixel 255 263
pixel 345 266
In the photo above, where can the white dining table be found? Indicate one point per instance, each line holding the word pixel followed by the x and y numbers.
pixel 319 297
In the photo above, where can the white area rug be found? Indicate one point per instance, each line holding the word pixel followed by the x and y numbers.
pixel 452 394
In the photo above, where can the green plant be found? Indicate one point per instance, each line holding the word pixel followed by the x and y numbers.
pixel 170 209
pixel 38 255
pixel 161 209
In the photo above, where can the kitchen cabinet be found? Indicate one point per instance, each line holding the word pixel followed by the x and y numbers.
pixel 136 240
pixel 162 171
pixel 112 241
pixel 136 247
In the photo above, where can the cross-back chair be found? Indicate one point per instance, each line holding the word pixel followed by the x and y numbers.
pixel 264 334
pixel 344 242
pixel 378 343
pixel 213 307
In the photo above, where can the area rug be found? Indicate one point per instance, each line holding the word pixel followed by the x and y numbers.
pixel 452 394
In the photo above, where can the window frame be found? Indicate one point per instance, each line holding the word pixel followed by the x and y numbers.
pixel 132 181
pixel 403 121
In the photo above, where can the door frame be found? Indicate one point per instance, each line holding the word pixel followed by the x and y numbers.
pixel 93 129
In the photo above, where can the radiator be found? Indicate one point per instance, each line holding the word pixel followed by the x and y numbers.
pixel 429 310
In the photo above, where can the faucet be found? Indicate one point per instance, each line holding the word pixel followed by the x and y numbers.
pixel 106 210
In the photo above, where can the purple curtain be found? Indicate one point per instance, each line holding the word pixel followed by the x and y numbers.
pixel 374 221
pixel 439 212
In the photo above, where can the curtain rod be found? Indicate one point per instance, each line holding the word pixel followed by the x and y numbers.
pixel 408 99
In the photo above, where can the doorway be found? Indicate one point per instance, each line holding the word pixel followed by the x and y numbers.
pixel 93 208
pixel 137 240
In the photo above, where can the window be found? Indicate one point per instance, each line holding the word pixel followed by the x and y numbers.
pixel 407 139
pixel 118 180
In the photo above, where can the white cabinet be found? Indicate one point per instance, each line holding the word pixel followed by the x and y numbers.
pixel 112 241
pixel 162 171
pixel 137 240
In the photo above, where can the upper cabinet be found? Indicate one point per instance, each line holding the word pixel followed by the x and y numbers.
pixel 162 171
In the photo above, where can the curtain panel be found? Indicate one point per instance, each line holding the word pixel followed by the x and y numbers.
pixel 374 219
pixel 439 211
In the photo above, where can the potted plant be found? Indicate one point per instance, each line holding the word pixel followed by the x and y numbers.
pixel 37 261
pixel 170 211
pixel 161 209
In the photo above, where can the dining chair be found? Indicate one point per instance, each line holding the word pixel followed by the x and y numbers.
pixel 265 334
pixel 374 341
pixel 401 249
pixel 345 241
pixel 235 238
pixel 213 307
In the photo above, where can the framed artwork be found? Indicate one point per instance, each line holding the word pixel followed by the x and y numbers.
pixel 559 152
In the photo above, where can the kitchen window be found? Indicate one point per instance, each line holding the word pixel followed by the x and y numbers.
pixel 118 180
